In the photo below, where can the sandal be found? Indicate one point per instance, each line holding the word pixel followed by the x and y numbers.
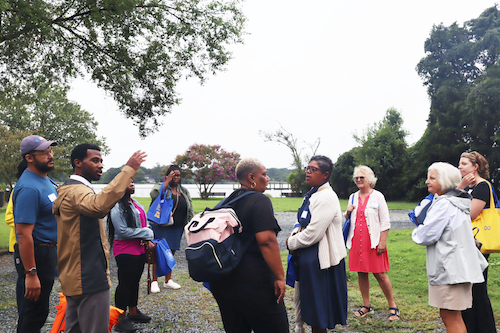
pixel 360 313
pixel 395 314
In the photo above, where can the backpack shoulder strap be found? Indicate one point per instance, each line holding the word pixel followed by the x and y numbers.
pixel 226 203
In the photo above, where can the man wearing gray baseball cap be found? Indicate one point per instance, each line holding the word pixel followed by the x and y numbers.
pixel 35 254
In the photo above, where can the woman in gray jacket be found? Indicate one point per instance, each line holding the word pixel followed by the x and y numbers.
pixel 453 261
pixel 129 234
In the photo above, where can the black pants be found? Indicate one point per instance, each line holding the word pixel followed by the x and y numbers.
pixel 479 318
pixel 32 314
pixel 130 269
pixel 246 306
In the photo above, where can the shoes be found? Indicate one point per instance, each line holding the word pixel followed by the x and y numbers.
pixel 364 311
pixel 139 317
pixel 154 287
pixel 125 325
pixel 394 314
pixel 171 284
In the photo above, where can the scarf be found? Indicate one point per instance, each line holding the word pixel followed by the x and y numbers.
pixel 304 215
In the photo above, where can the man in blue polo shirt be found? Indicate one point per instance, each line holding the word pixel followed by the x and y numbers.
pixel 35 254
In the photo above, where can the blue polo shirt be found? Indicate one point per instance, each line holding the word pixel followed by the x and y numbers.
pixel 32 203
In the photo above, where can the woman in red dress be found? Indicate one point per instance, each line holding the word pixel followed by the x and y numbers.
pixel 367 238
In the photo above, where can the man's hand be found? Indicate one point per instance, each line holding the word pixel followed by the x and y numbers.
pixel 136 159
pixel 33 287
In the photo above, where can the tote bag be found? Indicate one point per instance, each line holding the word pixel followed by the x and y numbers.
pixel 160 210
pixel 165 261
pixel 347 224
pixel 488 222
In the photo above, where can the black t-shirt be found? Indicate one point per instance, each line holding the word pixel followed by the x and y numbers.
pixel 180 213
pixel 256 214
pixel 482 192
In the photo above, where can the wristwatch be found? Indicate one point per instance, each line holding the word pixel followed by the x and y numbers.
pixel 31 271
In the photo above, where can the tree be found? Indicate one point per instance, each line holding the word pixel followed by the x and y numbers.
pixel 461 73
pixel 46 111
pixel 383 148
pixel 207 165
pixel 297 177
pixel 10 155
pixel 136 50
pixel 341 179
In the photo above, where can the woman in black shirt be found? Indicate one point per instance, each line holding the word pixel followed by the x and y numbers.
pixel 251 297
pixel 475 172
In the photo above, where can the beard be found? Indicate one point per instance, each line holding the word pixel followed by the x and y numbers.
pixel 44 166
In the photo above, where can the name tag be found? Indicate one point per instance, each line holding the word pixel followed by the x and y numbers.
pixel 304 214
pixel 374 205
pixel 52 197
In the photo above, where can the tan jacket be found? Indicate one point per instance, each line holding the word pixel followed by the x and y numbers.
pixel 82 245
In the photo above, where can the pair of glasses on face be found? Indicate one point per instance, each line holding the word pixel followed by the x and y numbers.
pixel 311 168
pixel 359 178
pixel 43 152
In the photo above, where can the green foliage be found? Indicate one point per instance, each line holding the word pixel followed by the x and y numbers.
pixel 207 165
pixel 278 175
pixel 297 181
pixel 10 156
pixel 135 50
pixel 45 110
pixel 461 74
pixel 383 148
pixel 341 179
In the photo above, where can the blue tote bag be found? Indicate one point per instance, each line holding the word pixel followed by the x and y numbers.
pixel 165 261
pixel 347 225
pixel 160 210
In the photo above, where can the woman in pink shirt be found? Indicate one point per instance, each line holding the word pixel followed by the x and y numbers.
pixel 129 233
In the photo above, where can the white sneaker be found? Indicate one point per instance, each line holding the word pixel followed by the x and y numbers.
pixel 154 287
pixel 171 284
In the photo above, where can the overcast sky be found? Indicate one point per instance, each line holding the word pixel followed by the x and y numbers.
pixel 322 69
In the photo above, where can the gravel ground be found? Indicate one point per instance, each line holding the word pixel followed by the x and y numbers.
pixel 189 309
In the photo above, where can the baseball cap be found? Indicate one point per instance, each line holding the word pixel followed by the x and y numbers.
pixel 35 142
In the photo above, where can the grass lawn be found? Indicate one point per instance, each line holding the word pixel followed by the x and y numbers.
pixel 407 274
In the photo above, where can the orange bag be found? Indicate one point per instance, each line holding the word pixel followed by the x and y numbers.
pixel 59 324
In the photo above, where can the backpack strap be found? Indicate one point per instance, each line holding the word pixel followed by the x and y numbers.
pixel 226 203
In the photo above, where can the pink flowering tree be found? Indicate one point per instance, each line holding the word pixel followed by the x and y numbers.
pixel 208 165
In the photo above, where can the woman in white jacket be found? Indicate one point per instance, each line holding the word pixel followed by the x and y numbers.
pixel 453 261
pixel 320 251
pixel 367 238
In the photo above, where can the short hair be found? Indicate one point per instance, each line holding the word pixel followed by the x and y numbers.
pixel 325 164
pixel 483 168
pixel 246 166
pixel 368 172
pixel 80 152
pixel 448 176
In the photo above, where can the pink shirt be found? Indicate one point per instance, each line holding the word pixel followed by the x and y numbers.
pixel 131 246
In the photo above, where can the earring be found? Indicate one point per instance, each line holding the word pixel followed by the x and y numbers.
pixel 253 184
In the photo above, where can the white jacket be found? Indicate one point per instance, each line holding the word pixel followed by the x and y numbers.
pixel 377 217
pixel 452 256
pixel 325 227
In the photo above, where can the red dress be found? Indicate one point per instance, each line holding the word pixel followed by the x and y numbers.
pixel 362 258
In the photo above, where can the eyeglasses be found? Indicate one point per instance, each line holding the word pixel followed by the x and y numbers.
pixel 43 152
pixel 311 168
pixel 176 176
pixel 360 178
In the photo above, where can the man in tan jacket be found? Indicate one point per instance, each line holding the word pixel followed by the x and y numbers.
pixel 82 243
